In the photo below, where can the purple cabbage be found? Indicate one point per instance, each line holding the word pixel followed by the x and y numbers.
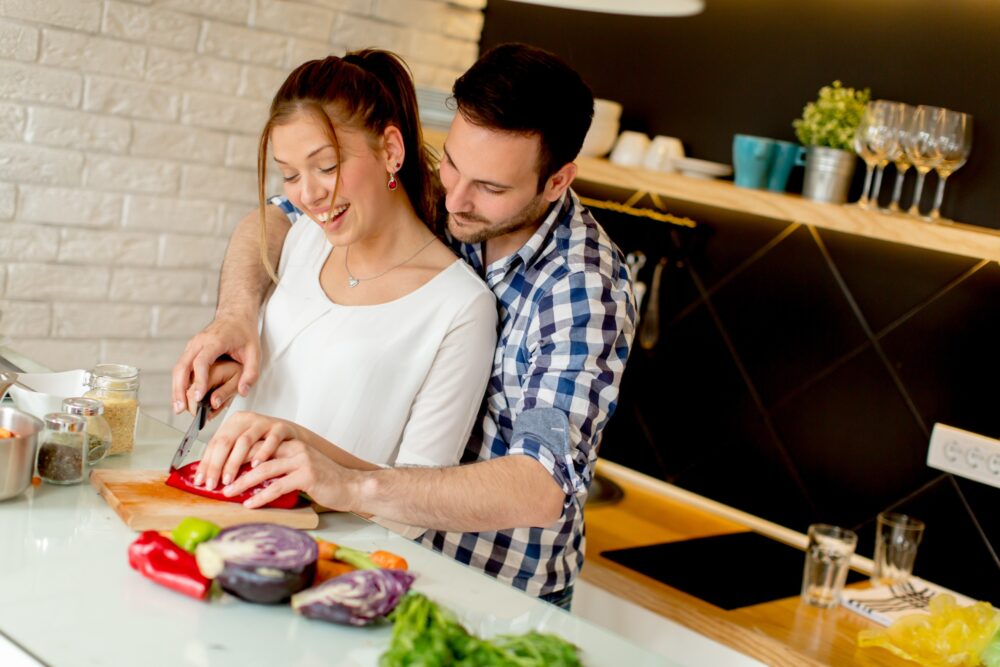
pixel 259 562
pixel 355 598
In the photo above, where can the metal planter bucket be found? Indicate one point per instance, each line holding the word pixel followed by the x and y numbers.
pixel 828 174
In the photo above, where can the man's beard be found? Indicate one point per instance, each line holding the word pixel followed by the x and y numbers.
pixel 531 214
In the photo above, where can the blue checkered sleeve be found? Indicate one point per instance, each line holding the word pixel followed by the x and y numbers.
pixel 577 348
pixel 286 207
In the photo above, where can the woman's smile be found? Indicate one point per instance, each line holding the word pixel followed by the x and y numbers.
pixel 324 215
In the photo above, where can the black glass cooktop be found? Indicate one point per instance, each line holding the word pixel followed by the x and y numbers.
pixel 728 571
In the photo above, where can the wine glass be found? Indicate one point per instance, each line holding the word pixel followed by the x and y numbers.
pixel 874 139
pixel 898 155
pixel 919 146
pixel 953 144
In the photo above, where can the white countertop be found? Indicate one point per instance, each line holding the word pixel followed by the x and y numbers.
pixel 69 597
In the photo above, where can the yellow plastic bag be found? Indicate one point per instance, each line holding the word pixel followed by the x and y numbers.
pixel 949 636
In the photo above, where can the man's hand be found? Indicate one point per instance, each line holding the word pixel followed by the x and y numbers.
pixel 233 336
pixel 223 378
pixel 298 467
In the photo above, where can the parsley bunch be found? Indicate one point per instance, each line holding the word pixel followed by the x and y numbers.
pixel 426 635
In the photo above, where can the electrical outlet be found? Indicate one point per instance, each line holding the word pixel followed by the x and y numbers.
pixel 970 455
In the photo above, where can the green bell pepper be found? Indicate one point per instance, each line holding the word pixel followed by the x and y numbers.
pixel 192 531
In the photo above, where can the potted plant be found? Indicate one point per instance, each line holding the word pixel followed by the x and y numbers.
pixel 827 128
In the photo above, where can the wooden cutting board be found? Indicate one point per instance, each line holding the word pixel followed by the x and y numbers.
pixel 144 502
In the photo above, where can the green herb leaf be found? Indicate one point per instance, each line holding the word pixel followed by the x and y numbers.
pixel 833 118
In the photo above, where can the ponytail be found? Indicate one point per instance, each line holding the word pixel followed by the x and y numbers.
pixel 417 175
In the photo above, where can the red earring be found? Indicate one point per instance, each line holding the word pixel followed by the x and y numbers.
pixel 393 183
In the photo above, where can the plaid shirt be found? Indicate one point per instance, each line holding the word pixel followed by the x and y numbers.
pixel 566 323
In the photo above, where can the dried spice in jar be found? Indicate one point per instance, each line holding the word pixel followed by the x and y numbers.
pixel 61 448
pixel 98 429
pixel 117 387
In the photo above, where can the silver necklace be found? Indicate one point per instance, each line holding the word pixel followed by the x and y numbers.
pixel 354 282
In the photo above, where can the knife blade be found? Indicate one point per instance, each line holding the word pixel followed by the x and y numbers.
pixel 200 417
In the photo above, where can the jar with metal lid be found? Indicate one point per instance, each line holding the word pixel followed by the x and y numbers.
pixel 98 428
pixel 61 448
pixel 117 387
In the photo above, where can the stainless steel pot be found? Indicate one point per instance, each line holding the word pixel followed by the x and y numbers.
pixel 17 455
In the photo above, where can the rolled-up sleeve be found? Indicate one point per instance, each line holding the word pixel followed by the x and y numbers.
pixel 575 351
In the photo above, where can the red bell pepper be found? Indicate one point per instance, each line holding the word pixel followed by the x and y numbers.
pixel 159 559
pixel 183 479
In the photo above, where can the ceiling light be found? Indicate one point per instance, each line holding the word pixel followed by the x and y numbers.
pixel 633 7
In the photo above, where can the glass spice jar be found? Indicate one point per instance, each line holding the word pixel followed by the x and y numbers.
pixel 117 387
pixel 61 448
pixel 98 428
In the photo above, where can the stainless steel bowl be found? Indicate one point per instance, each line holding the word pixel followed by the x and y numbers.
pixel 17 455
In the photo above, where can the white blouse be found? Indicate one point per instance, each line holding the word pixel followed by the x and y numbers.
pixel 398 383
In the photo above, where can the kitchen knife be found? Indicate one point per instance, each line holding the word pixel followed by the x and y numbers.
pixel 200 417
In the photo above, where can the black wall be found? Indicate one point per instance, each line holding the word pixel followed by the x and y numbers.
pixel 749 67
pixel 798 371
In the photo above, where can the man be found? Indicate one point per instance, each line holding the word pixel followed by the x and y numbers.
pixel 514 508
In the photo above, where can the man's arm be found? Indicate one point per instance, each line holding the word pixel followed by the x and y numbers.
pixel 502 493
pixel 242 286
pixel 507 492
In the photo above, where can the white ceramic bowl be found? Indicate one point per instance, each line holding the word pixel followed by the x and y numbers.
pixel 50 390
pixel 630 148
pixel 702 168
pixel 600 138
pixel 607 110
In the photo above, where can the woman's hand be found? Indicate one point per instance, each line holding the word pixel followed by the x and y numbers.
pixel 298 467
pixel 223 378
pixel 245 436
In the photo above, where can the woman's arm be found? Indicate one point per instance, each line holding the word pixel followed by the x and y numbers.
pixel 249 436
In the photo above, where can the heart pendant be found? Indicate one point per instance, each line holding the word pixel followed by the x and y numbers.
pixel 352 282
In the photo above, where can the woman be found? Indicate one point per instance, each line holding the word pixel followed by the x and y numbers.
pixel 377 340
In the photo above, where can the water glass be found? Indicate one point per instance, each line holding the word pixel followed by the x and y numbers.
pixel 896 541
pixel 828 557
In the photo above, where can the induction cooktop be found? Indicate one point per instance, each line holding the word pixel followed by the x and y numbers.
pixel 728 571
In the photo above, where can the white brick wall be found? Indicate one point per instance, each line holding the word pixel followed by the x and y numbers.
pixel 128 134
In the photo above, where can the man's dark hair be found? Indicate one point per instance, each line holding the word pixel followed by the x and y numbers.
pixel 527 90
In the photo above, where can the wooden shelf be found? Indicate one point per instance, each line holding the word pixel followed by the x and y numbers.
pixel 684 191
pixel 953 237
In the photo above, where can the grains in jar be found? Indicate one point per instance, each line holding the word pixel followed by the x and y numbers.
pixel 117 387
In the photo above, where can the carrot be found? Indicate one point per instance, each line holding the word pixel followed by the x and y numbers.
pixel 328 569
pixel 326 549
pixel 388 561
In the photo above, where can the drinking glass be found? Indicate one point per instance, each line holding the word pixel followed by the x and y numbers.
pixel 874 141
pixel 953 144
pixel 828 556
pixel 919 144
pixel 896 541
pixel 898 155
